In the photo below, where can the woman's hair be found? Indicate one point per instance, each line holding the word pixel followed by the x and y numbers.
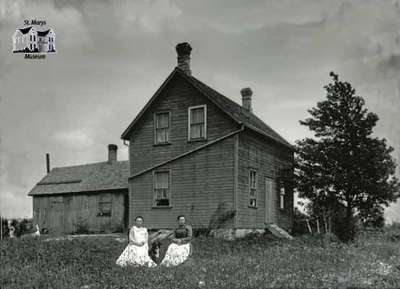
pixel 139 217
pixel 180 217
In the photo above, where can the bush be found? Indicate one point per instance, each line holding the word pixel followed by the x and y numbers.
pixel 392 232
pixel 299 223
pixel 22 227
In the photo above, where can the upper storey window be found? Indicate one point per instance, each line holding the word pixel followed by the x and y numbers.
pixel 161 127
pixel 197 127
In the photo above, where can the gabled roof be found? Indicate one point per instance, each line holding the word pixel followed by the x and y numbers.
pixel 25 30
pixel 231 108
pixel 43 33
pixel 84 178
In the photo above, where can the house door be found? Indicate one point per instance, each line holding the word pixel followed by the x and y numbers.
pixel 270 188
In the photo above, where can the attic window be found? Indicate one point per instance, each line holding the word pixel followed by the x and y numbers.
pixel 197 122
pixel 161 127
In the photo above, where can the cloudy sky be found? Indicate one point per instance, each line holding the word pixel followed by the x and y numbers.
pixel 113 55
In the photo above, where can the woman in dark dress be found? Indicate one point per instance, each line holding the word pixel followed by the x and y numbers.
pixel 179 250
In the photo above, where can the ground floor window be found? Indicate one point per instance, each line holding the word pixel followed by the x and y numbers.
pixel 282 198
pixel 253 188
pixel 161 192
pixel 105 206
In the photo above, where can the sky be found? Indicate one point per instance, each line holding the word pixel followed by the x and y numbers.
pixel 113 55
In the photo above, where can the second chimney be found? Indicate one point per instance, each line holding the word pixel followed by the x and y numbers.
pixel 246 98
pixel 112 153
pixel 183 50
pixel 48 163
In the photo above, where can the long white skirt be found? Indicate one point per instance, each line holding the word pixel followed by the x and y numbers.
pixel 176 254
pixel 135 256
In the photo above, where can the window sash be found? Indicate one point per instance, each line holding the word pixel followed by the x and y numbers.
pixel 253 179
pixel 197 122
pixel 162 120
pixel 197 130
pixel 161 190
pixel 105 208
pixel 197 115
pixel 282 198
pixel 162 127
pixel 162 135
pixel 252 188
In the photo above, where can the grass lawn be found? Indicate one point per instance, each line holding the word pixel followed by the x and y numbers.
pixel 249 263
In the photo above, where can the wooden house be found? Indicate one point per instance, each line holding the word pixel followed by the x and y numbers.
pixel 90 198
pixel 193 151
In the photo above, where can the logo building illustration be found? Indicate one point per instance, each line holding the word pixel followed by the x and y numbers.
pixel 30 40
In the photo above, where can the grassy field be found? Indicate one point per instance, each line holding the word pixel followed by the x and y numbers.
pixel 264 262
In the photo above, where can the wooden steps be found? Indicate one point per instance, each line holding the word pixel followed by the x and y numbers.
pixel 278 231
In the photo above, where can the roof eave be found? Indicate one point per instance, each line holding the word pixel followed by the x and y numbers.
pixel 126 133
pixel 287 145
pixel 76 192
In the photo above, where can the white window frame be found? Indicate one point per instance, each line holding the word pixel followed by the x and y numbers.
pixel 155 127
pixel 282 193
pixel 255 188
pixel 169 188
pixel 205 121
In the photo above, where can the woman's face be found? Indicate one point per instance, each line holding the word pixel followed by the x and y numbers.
pixel 181 220
pixel 139 222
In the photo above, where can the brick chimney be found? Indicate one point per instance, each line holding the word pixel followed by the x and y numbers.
pixel 48 163
pixel 112 153
pixel 183 50
pixel 246 98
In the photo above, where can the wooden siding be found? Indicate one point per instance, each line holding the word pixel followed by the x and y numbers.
pixel 202 186
pixel 176 98
pixel 62 214
pixel 266 157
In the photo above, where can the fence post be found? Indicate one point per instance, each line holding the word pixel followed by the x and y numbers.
pixel 308 226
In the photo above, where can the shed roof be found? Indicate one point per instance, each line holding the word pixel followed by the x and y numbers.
pixel 234 110
pixel 84 178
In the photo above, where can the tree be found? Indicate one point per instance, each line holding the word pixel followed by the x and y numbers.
pixel 344 166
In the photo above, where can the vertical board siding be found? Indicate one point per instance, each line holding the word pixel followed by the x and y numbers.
pixel 202 186
pixel 256 152
pixel 176 98
pixel 63 214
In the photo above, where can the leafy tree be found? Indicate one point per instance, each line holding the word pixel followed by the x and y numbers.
pixel 344 166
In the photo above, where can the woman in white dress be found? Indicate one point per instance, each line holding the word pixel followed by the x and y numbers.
pixel 180 248
pixel 136 253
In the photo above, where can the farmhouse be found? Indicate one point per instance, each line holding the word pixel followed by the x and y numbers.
pixel 85 198
pixel 192 151
pixel 195 152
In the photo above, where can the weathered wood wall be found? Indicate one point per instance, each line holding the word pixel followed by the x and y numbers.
pixel 176 98
pixel 201 189
pixel 201 182
pixel 266 157
pixel 63 214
